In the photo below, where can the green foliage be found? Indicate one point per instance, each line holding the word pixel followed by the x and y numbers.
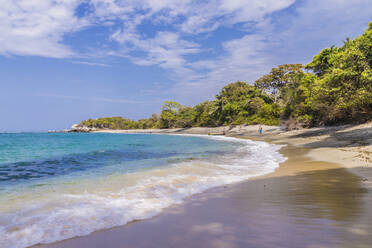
pixel 186 117
pixel 241 103
pixel 168 116
pixel 278 78
pixel 205 114
pixel 322 62
pixel 152 122
pixel 237 103
pixel 110 123
pixel 338 91
pixel 344 86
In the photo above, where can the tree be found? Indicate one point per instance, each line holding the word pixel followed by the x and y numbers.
pixel 206 114
pixel 344 88
pixel 337 88
pixel 168 116
pixel 241 103
pixel 186 117
pixel 283 75
pixel 322 62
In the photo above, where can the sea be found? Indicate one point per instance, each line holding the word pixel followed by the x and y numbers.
pixel 55 186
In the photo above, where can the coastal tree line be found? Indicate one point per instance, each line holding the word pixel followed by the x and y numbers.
pixel 334 88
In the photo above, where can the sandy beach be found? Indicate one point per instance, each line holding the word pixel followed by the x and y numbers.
pixel 350 146
pixel 320 197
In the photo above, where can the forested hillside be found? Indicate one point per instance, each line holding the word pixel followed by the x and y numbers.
pixel 334 88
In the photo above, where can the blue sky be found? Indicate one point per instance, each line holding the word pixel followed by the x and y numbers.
pixel 63 61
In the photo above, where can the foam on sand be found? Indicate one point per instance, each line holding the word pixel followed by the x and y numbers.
pixel 50 213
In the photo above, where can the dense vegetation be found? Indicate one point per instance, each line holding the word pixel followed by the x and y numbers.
pixel 334 88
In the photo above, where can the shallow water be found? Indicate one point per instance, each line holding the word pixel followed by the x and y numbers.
pixel 58 186
pixel 323 206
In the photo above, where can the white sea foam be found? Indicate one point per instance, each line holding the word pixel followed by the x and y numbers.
pixel 50 214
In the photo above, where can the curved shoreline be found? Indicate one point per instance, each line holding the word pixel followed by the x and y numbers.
pixel 348 145
pixel 153 192
pixel 303 160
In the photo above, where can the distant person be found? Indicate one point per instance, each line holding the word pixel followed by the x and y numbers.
pixel 260 129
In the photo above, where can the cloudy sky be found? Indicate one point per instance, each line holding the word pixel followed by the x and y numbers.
pixel 62 61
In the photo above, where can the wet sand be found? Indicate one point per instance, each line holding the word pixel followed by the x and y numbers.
pixel 305 203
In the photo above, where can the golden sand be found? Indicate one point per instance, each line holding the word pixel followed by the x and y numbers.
pixel 320 197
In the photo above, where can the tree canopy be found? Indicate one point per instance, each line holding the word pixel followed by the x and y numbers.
pixel 334 88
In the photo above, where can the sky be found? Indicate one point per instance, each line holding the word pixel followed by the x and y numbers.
pixel 63 61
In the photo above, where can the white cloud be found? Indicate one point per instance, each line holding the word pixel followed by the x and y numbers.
pixel 243 11
pixel 37 27
pixel 294 37
pixel 166 49
pixel 210 15
pixel 245 59
pixel 90 63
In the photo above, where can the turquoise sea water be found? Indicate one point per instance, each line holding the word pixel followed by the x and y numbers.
pixel 57 186
pixel 31 157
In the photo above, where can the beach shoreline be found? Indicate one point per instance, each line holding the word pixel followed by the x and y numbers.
pixel 347 145
pixel 337 156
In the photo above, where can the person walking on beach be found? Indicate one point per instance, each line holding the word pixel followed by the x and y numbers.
pixel 260 129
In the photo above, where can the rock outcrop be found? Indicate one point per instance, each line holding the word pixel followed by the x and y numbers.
pixel 76 128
